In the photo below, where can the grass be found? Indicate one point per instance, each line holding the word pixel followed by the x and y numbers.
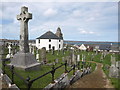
pixel 107 61
pixel 42 82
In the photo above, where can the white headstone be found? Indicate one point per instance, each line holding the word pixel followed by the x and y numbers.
pixel 9 47
pixel 37 55
pixel 9 55
pixel 78 58
pixel 30 48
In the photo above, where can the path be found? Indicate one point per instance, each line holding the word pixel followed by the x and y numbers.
pixel 96 79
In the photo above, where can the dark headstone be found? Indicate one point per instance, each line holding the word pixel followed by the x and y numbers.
pixel 43 55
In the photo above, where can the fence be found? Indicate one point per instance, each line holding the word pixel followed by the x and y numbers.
pixel 28 82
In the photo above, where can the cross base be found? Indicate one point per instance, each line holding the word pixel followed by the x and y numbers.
pixel 25 61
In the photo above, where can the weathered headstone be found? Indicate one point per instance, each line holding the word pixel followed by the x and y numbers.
pixel 53 50
pixel 30 48
pixel 37 55
pixel 43 55
pixel 78 58
pixel 33 50
pixel 113 61
pixel 23 59
pixel 1 51
pixel 63 59
pixel 73 58
pixel 113 71
pixel 101 58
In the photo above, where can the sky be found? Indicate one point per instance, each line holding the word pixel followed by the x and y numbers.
pixel 79 21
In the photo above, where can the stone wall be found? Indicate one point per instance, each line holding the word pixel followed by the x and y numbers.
pixel 63 81
pixel 8 81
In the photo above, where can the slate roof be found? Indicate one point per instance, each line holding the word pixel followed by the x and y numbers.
pixel 105 47
pixel 49 35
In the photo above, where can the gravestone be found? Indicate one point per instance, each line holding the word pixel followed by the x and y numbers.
pixel 70 55
pixel 101 58
pixel 1 51
pixel 9 55
pixel 68 60
pixel 30 48
pixel 78 58
pixel 63 59
pixel 96 52
pixel 73 58
pixel 53 50
pixel 104 54
pixel 63 51
pixel 118 66
pixel 113 71
pixel 23 59
pixel 43 55
pixel 37 55
pixel 33 50
pixel 92 57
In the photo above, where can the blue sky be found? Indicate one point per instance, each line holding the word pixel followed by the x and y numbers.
pixel 81 21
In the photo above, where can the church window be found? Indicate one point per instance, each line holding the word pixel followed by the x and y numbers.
pixel 49 46
pixel 59 45
pixel 49 40
pixel 59 40
pixel 39 40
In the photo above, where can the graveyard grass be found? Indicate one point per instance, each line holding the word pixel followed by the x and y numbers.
pixel 44 81
pixel 114 81
pixel 41 83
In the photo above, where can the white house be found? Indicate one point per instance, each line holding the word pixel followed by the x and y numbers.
pixel 83 47
pixel 49 40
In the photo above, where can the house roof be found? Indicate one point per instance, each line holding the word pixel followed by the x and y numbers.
pixel 48 35
pixel 105 47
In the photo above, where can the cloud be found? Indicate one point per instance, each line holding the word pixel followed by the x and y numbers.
pixel 50 12
pixel 88 18
pixel 77 13
pixel 84 31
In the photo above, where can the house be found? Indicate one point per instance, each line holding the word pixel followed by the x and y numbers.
pixel 104 48
pixel 115 48
pixel 83 47
pixel 49 40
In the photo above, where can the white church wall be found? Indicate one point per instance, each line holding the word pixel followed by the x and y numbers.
pixel 46 43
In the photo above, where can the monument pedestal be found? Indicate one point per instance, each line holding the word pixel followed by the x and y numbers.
pixel 25 61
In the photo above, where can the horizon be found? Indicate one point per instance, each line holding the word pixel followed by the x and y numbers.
pixel 75 40
pixel 83 21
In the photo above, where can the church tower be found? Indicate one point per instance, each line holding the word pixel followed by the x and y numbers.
pixel 59 33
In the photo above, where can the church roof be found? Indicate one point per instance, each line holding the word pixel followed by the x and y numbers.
pixel 48 35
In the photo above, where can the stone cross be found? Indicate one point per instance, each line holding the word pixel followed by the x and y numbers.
pixel 24 18
pixel 9 47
